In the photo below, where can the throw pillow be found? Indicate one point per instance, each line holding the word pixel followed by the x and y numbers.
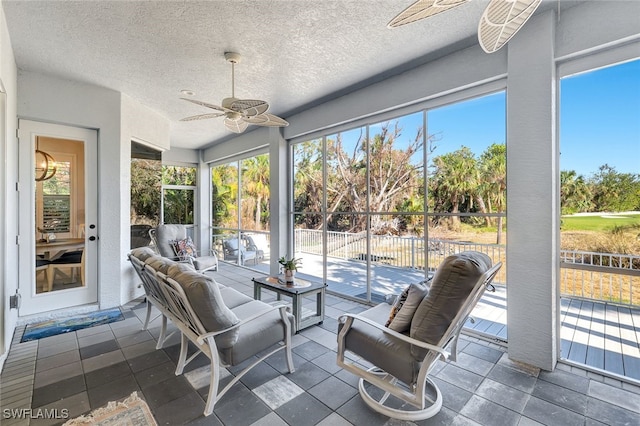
pixel 185 249
pixel 401 321
pixel 395 308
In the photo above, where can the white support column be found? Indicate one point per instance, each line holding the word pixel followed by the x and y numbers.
pixel 203 206
pixel 279 212
pixel 533 196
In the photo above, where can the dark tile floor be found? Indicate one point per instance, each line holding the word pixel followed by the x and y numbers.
pixel 83 370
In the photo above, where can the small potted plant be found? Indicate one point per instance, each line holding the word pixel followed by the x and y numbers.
pixel 289 266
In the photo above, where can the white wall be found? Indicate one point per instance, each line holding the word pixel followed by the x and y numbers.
pixel 8 194
pixel 144 125
pixel 50 99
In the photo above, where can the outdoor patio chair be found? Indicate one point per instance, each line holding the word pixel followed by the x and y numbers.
pixel 257 243
pixel 430 321
pixel 235 249
pixel 167 239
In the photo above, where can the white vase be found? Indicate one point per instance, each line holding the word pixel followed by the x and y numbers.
pixel 288 275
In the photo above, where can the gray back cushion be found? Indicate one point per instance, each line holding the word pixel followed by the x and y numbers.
pixel 143 253
pixel 450 287
pixel 166 233
pixel 207 303
pixel 159 264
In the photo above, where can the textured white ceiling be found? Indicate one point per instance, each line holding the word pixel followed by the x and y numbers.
pixel 295 53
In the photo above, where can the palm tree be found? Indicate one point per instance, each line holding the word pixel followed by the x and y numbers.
pixel 454 180
pixel 575 193
pixel 493 175
pixel 255 183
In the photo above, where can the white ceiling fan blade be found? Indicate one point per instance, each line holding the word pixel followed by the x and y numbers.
pixel 268 120
pixel 203 116
pixel 250 107
pixel 423 9
pixel 206 104
pixel 501 20
pixel 236 126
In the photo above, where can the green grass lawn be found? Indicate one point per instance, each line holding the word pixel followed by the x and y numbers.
pixel 598 223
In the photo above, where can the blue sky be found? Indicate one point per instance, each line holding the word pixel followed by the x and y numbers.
pixel 599 121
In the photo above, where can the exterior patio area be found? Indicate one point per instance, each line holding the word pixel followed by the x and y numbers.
pixel 601 336
pixel 83 370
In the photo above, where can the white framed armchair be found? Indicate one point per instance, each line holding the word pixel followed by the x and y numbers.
pixel 165 238
pixel 404 355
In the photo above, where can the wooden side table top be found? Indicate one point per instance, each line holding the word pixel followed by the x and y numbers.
pixel 299 286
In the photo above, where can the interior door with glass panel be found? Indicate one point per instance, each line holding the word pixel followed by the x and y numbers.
pixel 58 240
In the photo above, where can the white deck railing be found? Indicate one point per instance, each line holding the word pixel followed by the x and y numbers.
pixel 598 276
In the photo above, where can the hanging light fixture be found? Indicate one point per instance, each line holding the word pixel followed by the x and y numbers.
pixel 45 164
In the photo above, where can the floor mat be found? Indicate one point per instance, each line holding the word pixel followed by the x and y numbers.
pixel 56 326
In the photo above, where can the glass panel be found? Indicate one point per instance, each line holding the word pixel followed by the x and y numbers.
pixel 256 194
pixel 224 196
pixel 397 255
pixel 309 245
pixel 255 200
pixel 600 184
pixel 346 171
pixel 178 206
pixel 473 235
pixel 467 163
pixel 308 189
pixel 396 169
pixel 146 180
pixel 179 175
pixel 346 255
pixel 60 218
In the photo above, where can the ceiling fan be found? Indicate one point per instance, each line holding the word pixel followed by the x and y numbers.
pixel 238 113
pixel 500 21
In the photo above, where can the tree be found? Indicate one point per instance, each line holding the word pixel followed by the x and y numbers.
pixel 575 193
pixel 308 188
pixel 614 191
pixel 224 196
pixel 454 178
pixel 146 187
pixel 493 181
pixel 256 192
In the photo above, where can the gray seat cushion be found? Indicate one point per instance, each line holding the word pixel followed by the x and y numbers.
pixel 207 303
pixel 204 262
pixel 254 336
pixel 384 351
pixel 451 285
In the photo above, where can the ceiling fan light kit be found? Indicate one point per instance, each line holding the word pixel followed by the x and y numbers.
pixel 238 113
pixel 500 21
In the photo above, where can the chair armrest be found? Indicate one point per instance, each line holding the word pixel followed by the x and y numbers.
pixel 393 333
pixel 253 317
